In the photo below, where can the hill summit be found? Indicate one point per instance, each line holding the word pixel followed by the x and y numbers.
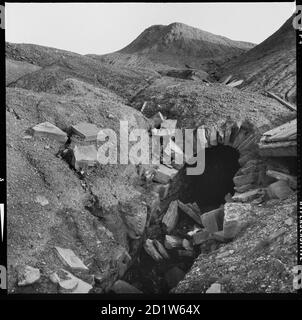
pixel 177 45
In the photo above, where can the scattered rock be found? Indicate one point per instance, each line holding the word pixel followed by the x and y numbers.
pixel 41 200
pixel 208 220
pixel 214 288
pixel 171 216
pixel 185 253
pixel 292 181
pixel 27 137
pixel 187 245
pixel 200 236
pixel 151 250
pixel 186 209
pixel 47 129
pixel 65 280
pixel 161 249
pixel 224 254
pixel 232 214
pixel 68 257
pixel 289 221
pixel 172 242
pixel 68 283
pixel 279 189
pixel 164 174
pixel 135 215
pixel 84 156
pixel 192 232
pixel 28 275
pixel 245 179
pixel 248 196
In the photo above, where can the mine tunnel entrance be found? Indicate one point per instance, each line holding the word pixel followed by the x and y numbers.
pixel 209 189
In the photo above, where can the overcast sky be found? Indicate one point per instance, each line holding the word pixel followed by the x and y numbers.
pixel 107 27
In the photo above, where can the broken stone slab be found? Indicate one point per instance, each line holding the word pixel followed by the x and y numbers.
pixel 27 275
pixel 201 236
pixel 151 250
pixel 87 131
pixel 68 283
pixel 291 180
pixel 173 276
pixel 48 130
pixel 187 244
pixel 211 219
pixel 214 288
pixel 161 189
pixel 194 206
pixel 161 249
pixel 235 83
pixel 186 209
pixel 279 190
pixel 170 218
pixel 157 119
pixel 233 212
pixel 245 179
pixel 69 258
pixel 164 174
pixel 219 236
pixel 278 149
pixel 248 196
pixel 121 287
pixel 84 156
pixel 172 242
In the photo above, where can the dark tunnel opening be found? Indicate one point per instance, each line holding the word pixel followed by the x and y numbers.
pixel 209 189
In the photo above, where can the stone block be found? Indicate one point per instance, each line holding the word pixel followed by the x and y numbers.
pixel 48 130
pixel 279 190
pixel 69 259
pixel 87 131
pixel 170 218
pixel 164 174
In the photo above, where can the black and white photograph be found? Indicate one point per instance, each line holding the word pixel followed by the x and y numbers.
pixel 150 149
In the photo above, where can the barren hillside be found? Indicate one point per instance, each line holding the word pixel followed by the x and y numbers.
pixel 116 218
pixel 271 65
